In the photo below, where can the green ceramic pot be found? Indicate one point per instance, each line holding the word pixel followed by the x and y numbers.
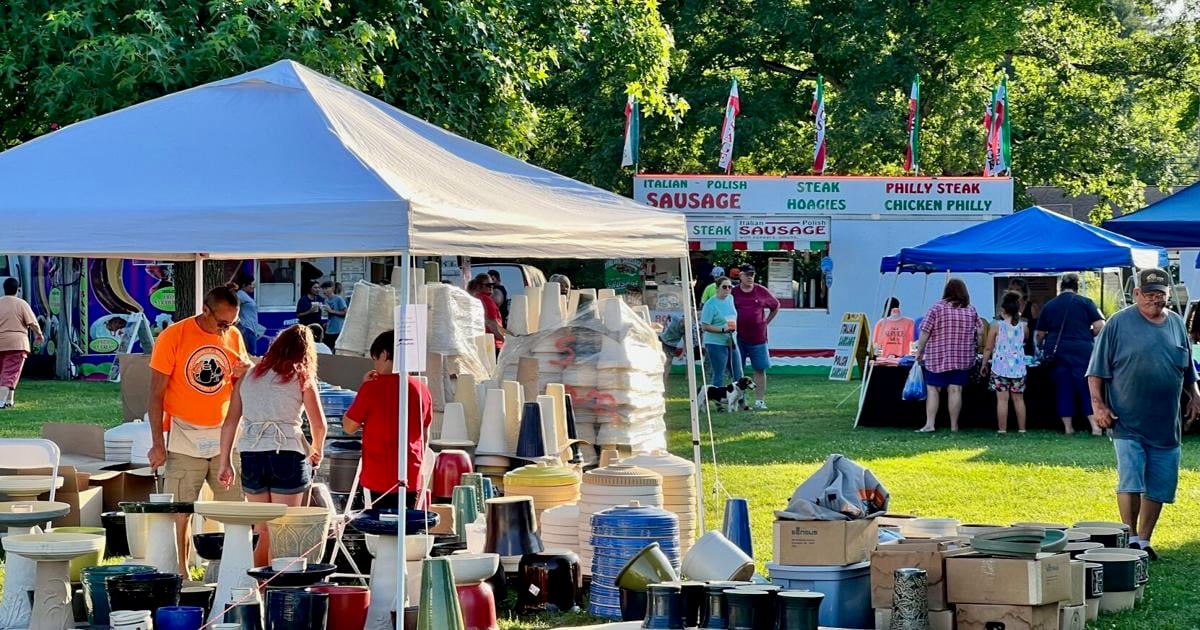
pixel 86 560
pixel 439 609
pixel 649 566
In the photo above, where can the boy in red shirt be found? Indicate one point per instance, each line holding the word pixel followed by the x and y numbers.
pixel 375 409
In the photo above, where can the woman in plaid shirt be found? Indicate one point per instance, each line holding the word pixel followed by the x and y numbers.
pixel 946 350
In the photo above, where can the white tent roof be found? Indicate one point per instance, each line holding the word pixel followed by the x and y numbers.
pixel 285 162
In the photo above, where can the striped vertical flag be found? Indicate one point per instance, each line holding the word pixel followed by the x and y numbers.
pixel 818 110
pixel 912 160
pixel 629 154
pixel 732 108
pixel 999 149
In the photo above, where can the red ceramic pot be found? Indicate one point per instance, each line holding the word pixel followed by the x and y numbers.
pixel 478 606
pixel 448 470
pixel 347 606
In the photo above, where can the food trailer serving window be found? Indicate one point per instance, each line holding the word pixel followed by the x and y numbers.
pixel 787 252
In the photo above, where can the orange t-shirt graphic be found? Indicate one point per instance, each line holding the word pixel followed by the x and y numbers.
pixel 894 335
pixel 200 365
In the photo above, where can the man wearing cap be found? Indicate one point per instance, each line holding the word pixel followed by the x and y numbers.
pixel 711 289
pixel 756 307
pixel 1139 370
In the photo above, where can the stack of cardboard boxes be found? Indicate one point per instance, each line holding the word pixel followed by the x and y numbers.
pixel 929 555
pixel 1042 593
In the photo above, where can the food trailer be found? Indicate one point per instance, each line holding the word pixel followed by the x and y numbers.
pixel 816 242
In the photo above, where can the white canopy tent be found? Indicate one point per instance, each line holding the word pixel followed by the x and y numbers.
pixel 285 162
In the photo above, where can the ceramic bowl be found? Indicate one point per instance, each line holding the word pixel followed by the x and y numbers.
pixel 471 568
pixel 312 574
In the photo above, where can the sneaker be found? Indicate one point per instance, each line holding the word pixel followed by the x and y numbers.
pixel 760 405
pixel 1149 551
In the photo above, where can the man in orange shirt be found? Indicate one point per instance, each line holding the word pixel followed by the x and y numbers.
pixel 193 368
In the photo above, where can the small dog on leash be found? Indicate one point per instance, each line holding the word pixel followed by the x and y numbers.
pixel 731 397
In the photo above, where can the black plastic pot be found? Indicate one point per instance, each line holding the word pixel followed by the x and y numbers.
pixel 143 591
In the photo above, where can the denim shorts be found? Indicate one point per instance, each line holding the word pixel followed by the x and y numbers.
pixel 760 359
pixel 958 378
pixel 1147 470
pixel 285 472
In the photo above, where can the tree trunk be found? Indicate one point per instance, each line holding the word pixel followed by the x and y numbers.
pixel 185 283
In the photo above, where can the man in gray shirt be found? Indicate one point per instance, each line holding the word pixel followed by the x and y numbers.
pixel 1139 370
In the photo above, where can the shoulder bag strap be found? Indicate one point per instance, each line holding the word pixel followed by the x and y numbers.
pixel 1063 325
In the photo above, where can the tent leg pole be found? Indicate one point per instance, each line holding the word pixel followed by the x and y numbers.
pixel 198 291
pixel 400 364
pixel 689 341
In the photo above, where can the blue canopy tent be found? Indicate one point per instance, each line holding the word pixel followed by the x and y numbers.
pixel 1172 222
pixel 1034 240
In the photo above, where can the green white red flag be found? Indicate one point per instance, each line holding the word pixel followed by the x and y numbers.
pixel 629 154
pixel 818 110
pixel 912 160
pixel 732 108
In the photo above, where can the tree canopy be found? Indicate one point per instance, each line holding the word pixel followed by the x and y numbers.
pixel 1102 93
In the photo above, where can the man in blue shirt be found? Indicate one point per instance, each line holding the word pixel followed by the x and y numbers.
pixel 308 309
pixel 1139 371
pixel 335 307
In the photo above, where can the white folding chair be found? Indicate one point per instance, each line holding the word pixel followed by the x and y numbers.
pixel 31 453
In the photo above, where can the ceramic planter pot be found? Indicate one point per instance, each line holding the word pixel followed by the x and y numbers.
pixel 1110 537
pixel 551 581
pixel 95 594
pixel 347 605
pixel 714 611
pixel 439 608
pixel 664 607
pixel 1142 570
pixel 531 442
pixel 248 616
pixel 87 560
pixel 1093 580
pixel 478 605
pixel 799 610
pixel 736 525
pixel 300 532
pixel 750 609
pixel 448 469
pixel 1125 531
pixel 178 618
pixel 633 604
pixel 692 594
pixel 466 509
pixel 1078 548
pixel 910 600
pixel 714 557
pixel 1120 571
pixel 142 591
pixel 511 527
pixel 296 608
pixel 198 597
pixel 116 544
pixel 649 566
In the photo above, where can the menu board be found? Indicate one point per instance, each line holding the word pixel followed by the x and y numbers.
pixel 779 281
pixel 851 346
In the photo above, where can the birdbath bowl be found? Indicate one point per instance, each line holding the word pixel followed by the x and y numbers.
pixel 162 550
pixel 473 568
pixel 210 546
pixel 386 525
pixel 237 554
pixel 52 553
pixel 22 517
pixel 27 486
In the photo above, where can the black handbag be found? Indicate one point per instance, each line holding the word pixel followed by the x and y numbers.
pixel 1049 359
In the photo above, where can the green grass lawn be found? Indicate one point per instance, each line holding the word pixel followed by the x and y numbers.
pixel 975 476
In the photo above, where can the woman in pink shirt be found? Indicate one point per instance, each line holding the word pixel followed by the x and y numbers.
pixel 946 350
pixel 16 322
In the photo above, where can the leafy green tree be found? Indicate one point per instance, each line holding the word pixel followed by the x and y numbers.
pixel 469 65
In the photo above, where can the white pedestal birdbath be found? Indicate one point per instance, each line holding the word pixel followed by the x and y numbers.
pixel 52 594
pixel 162 548
pixel 237 556
pixel 381 531
pixel 22 518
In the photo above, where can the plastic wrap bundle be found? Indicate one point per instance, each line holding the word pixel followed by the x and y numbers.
pixel 371 312
pixel 611 362
pixel 455 320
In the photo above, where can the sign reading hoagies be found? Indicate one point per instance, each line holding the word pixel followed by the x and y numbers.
pixel 828 196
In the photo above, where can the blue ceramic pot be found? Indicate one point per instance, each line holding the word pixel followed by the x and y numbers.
pixel 178 618
pixel 296 608
pixel 95 595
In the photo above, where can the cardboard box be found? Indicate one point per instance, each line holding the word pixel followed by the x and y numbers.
pixel 1078 584
pixel 976 579
pixel 824 543
pixel 127 484
pixel 79 445
pixel 928 554
pixel 86 503
pixel 1072 617
pixel 340 370
pixel 989 617
pixel 135 386
pixel 938 619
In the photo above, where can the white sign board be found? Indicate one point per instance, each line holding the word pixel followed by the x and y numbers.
pixel 412 336
pixel 760 229
pixel 828 196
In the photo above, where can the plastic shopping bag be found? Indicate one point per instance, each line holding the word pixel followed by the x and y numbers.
pixel 914 385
